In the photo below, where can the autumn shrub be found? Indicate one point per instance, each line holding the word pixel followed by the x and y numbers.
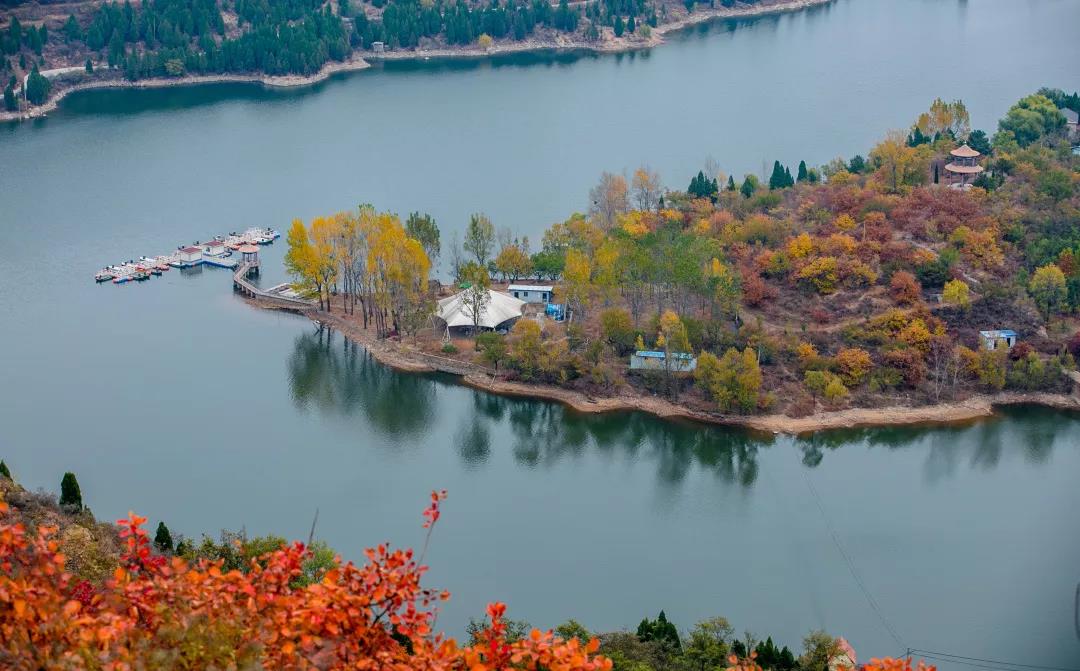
pixel 821 275
pixel 1020 350
pixel 154 613
pixel 904 288
pixel 733 381
pixel 853 364
pixel 910 364
pixel 991 367
pixel 884 379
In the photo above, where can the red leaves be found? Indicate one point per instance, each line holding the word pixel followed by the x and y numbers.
pixel 354 617
pixel 431 513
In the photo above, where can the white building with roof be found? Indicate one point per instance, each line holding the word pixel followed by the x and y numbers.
pixel 215 248
pixel 998 338
pixel 190 256
pixel 501 311
pixel 532 293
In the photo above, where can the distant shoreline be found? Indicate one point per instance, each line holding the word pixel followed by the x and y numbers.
pixel 975 407
pixel 362 60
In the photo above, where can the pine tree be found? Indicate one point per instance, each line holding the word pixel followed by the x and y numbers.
pixel 777 180
pixel 70 494
pixel 788 181
pixel 163 539
pixel 619 26
pixel 730 183
pixel 631 25
pixel 4 472
pixel 37 87
pixel 802 172
pixel 10 103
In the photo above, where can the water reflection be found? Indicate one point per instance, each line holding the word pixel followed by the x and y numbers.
pixel 541 435
pixel 338 377
pixel 980 445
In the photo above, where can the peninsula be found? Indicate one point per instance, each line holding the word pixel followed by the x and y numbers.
pixel 47 54
pixel 928 281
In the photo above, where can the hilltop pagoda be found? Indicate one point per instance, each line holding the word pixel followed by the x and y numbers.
pixel 963 167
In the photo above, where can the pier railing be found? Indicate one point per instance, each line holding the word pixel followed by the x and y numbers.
pixel 243 285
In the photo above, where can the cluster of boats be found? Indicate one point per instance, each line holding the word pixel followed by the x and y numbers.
pixel 221 246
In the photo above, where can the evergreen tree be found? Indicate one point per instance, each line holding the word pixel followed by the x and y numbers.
pixel 857 164
pixel 10 103
pixel 631 25
pixel 37 87
pixel 89 67
pixel 659 630
pixel 619 26
pixel 163 539
pixel 72 31
pixel 978 141
pixel 802 172
pixel 70 494
pixel 788 181
pixel 777 180
pixel 4 472
pixel 730 183
pixel 917 137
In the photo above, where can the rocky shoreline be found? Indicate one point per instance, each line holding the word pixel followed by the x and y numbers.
pixel 362 60
pixel 980 406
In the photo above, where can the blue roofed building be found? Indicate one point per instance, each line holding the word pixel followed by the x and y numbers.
pixel 681 362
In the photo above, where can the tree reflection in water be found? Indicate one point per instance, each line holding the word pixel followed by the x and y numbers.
pixel 338 377
pixel 980 444
pixel 542 434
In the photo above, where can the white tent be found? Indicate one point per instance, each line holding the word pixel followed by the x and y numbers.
pixel 500 307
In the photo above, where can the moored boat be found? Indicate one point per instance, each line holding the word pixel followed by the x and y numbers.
pixel 104 276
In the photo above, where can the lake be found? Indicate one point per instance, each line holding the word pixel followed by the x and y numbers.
pixel 177 400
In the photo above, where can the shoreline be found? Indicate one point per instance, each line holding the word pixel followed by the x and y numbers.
pixel 976 407
pixel 354 63
pixel 358 61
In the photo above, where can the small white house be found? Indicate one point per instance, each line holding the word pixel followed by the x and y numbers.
pixel 531 293
pixel 992 339
pixel 215 248
pixel 190 256
pixel 681 362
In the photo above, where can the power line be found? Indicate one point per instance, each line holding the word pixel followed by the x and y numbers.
pixel 851 566
pixel 1003 664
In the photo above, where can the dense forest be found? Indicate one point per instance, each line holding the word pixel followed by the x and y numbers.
pixel 173 38
pixel 863 282
pixel 79 593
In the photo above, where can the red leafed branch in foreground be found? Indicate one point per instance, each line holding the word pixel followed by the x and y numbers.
pixel 156 613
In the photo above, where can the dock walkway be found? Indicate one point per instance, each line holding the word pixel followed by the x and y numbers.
pixel 243 285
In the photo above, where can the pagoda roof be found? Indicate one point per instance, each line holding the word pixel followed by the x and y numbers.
pixel 964 151
pixel 963 169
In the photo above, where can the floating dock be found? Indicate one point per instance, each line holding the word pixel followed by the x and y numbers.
pixel 215 252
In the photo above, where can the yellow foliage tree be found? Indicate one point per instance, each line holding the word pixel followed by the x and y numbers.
pixel 898 164
pixel 956 293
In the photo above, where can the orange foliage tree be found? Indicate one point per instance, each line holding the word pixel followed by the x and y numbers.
pixel 157 613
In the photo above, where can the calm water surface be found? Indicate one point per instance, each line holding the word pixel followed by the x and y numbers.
pixel 177 400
